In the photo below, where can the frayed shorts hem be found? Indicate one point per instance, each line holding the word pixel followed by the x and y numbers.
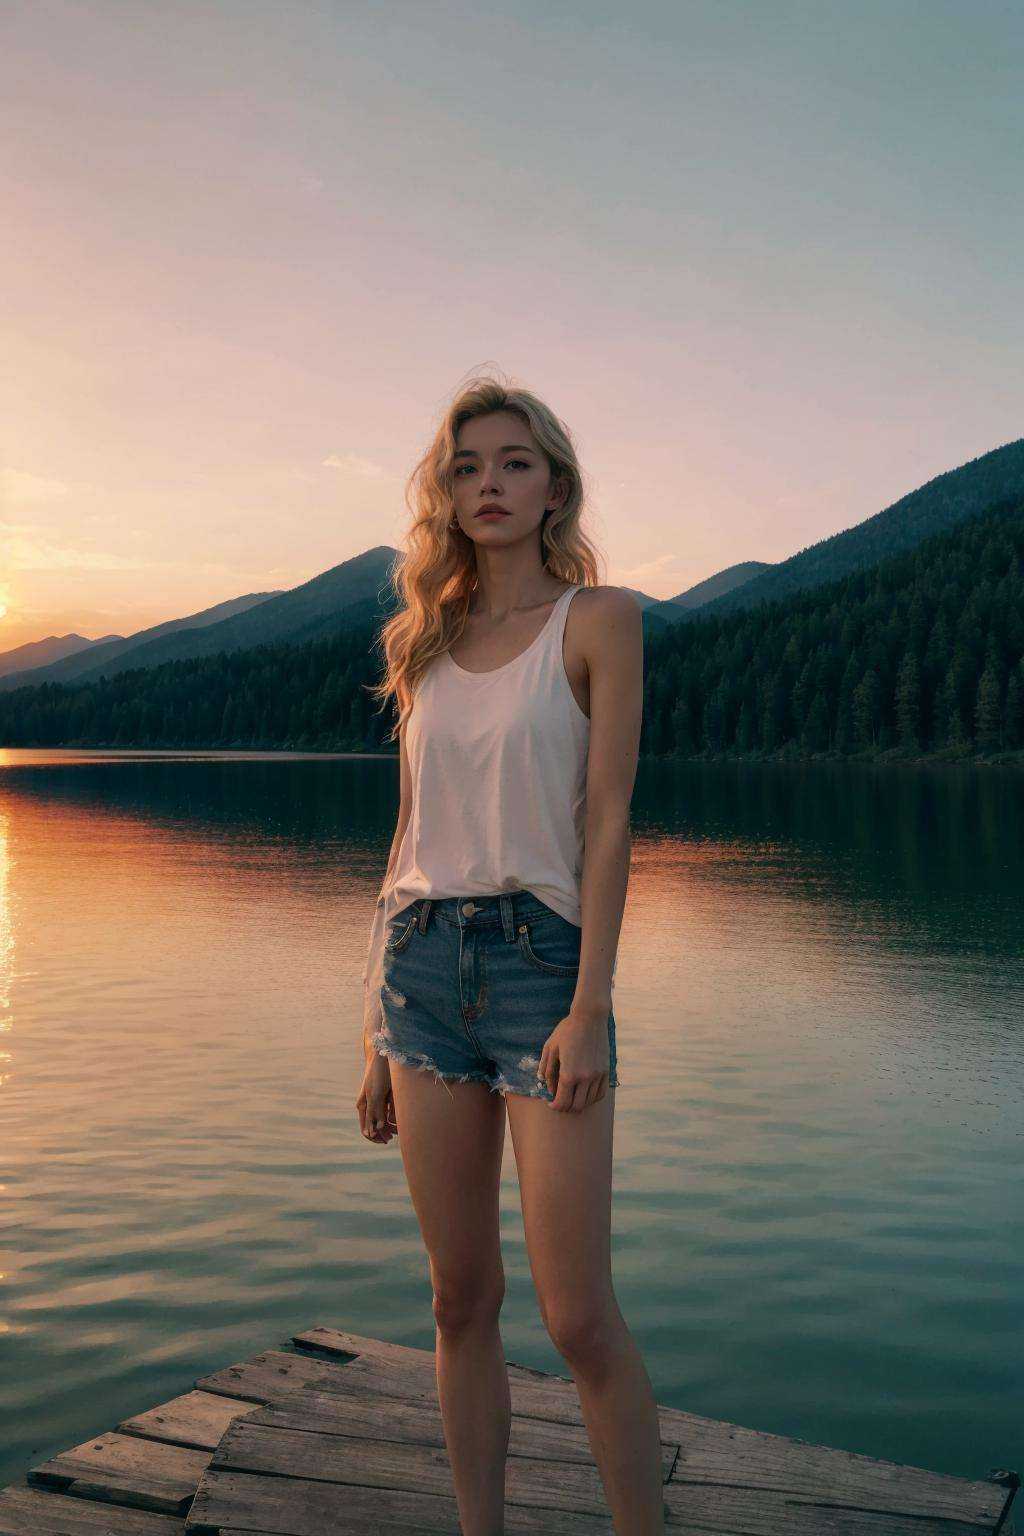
pixel 502 1084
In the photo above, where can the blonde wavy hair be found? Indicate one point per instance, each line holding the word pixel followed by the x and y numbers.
pixel 435 574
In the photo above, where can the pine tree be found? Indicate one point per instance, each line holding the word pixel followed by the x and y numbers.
pixel 803 692
pixel 951 731
pixel 772 712
pixel 1013 715
pixel 908 704
pixel 815 732
pixel 988 711
pixel 682 728
pixel 714 719
pixel 745 728
pixel 845 733
pixel 867 709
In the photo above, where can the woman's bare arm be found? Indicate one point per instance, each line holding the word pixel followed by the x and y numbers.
pixel 372 971
pixel 611 641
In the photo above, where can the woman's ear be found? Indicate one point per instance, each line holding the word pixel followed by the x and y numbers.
pixel 560 491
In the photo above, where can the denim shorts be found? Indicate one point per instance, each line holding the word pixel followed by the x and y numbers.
pixel 473 987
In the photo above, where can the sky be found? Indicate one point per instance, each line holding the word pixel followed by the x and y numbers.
pixel 763 259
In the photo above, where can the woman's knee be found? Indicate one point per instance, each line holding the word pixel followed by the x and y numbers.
pixel 584 1329
pixel 463 1302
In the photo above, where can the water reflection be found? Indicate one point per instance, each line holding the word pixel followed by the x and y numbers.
pixel 818 1134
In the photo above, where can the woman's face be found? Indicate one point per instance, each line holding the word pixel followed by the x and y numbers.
pixel 497 460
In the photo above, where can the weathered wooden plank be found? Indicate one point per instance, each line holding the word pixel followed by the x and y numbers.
pixel 196 1419
pixel 385 1418
pixel 26 1511
pixel 273 1375
pixel 711 1450
pixel 247 1505
pixel 756 1512
pixel 731 1454
pixel 238 1502
pixel 531 1396
pixel 576 1489
pixel 339 1342
pixel 345 1435
pixel 395 1464
pixel 125 1469
pixel 269 1375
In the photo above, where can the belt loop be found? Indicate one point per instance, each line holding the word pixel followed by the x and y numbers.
pixel 428 902
pixel 507 918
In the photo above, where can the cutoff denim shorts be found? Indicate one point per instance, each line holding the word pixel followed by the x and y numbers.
pixel 473 987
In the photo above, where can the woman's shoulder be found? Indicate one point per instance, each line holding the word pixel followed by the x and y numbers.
pixel 605 622
pixel 607 604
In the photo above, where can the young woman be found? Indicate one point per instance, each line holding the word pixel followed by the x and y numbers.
pixel 488 984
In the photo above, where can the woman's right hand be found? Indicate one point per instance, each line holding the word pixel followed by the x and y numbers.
pixel 376 1101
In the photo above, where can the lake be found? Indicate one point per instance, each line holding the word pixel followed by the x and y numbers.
pixel 819 1139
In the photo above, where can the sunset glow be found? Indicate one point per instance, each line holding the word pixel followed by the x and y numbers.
pixel 737 255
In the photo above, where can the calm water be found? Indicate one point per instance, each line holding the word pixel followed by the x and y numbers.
pixel 819 1132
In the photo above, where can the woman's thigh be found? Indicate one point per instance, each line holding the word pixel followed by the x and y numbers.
pixel 564 1163
pixel 451 1137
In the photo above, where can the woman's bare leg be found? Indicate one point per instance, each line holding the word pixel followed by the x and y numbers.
pixel 451 1145
pixel 565 1171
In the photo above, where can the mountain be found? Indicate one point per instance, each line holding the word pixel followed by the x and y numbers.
pixel 355 593
pixel 671 609
pixel 98 656
pixel 42 653
pixel 347 596
pixel 921 653
pixel 924 653
pixel 643 599
pixel 936 506
pixel 725 581
pixel 359 591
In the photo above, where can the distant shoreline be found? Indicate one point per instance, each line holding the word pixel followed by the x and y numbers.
pixel 785 756
pixel 890 758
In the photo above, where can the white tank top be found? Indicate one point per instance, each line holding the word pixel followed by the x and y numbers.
pixel 498 763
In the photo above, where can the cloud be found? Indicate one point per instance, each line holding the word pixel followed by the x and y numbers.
pixel 20 489
pixel 652 571
pixel 352 464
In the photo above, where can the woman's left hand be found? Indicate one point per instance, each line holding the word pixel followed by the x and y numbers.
pixel 574 1061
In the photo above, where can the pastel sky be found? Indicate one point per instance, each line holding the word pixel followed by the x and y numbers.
pixel 764 259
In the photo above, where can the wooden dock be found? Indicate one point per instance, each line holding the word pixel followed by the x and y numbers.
pixel 337 1434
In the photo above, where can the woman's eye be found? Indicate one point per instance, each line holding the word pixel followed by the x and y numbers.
pixel 522 462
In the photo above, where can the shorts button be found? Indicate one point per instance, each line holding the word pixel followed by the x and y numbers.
pixel 468 908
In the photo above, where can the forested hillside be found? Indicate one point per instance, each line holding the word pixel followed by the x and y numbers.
pixel 923 654
pixel 309 697
pixel 935 507
pixel 347 595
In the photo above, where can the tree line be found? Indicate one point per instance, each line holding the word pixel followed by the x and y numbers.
pixel 922 654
